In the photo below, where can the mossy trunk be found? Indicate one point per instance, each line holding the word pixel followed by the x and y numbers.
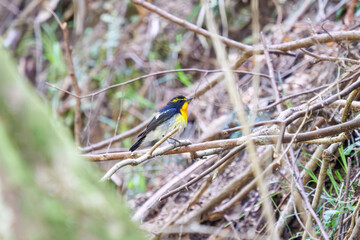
pixel 47 191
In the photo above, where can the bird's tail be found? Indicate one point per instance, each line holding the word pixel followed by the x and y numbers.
pixel 137 144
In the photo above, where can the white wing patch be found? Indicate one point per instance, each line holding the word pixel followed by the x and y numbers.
pixel 157 115
pixel 160 113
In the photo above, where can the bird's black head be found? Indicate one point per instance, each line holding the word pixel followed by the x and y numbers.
pixel 178 102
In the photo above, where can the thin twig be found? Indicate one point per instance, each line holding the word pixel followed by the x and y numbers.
pixel 190 203
pixel 250 185
pixel 190 26
pixel 174 182
pixel 310 167
pixel 320 184
pixel 137 161
pixel 151 75
pixel 258 124
pixel 347 108
pixel 327 101
pixel 226 158
pixel 249 51
pixel 116 138
pixel 271 71
pixel 331 59
pixel 345 196
pixel 166 137
pixel 77 124
pixel 355 213
pixel 302 93
pixel 307 205
pixel 228 143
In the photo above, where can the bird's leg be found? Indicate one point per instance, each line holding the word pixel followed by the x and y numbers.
pixel 174 141
pixel 165 138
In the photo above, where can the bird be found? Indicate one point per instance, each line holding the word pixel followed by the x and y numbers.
pixel 173 115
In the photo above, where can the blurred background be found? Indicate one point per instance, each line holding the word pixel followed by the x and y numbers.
pixel 112 42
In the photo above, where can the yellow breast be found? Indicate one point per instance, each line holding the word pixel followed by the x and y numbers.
pixel 183 111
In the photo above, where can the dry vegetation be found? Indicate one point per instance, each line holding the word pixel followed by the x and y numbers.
pixel 273 130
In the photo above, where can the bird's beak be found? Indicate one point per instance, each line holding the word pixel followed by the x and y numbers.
pixel 189 99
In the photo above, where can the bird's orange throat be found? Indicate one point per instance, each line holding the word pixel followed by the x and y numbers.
pixel 183 110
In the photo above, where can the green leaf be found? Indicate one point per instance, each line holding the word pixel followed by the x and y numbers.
pixel 311 174
pixel 183 78
pixel 343 161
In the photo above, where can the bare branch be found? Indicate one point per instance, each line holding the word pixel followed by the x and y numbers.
pixel 137 161
pixel 77 124
pixel 258 140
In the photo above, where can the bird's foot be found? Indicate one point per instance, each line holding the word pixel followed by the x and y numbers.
pixel 178 143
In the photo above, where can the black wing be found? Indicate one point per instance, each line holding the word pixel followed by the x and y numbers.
pixel 159 118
